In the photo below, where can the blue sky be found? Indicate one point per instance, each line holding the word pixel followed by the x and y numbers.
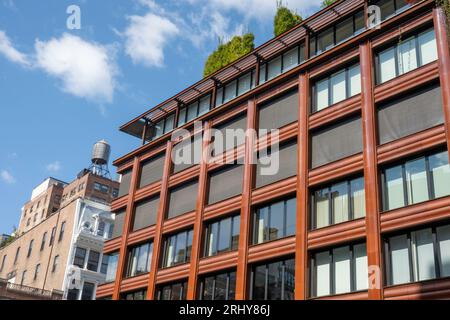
pixel 62 90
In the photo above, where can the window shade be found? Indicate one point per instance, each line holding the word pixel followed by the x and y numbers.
pixel 145 214
pixel 125 183
pixel 337 142
pixel 410 114
pixel 182 199
pixel 178 154
pixel 118 224
pixel 225 183
pixel 152 171
pixel 287 166
pixel 279 112
pixel 222 145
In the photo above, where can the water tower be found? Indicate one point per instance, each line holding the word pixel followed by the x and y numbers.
pixel 100 158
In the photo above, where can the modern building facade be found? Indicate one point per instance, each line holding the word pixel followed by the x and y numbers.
pixel 57 250
pixel 360 206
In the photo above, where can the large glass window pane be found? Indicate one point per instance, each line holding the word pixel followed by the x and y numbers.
pixel 113 260
pixel 235 234
pixel 344 30
pixel 208 288
pixel 192 111
pixel 407 55
pixel 262 225
pixel 359 22
pixel 339 196
pixel 322 95
pixel 245 83
pixel 354 75
pixel 416 181
pixel 275 273
pixel 204 105
pixel 423 240
pixel 230 91
pixel 212 238
pixel 387 65
pixel 325 40
pixel 387 8
pixel 276 221
pixel 220 290
pixel 443 238
pixel 291 213
pixel 290 59
pixel 399 259
pixel 182 117
pixel 232 286
pixel 159 128
pixel 440 173
pixel 342 269
pixel 395 190
pixel 289 279
pixel 338 87
pixel 259 283
pixel 219 97
pixel 262 74
pixel 169 123
pixel 180 251
pixel 358 198
pixel 170 251
pixel 274 68
pixel 322 274
pixel 224 235
pixel 190 236
pixel 427 47
pixel 322 208
pixel 362 281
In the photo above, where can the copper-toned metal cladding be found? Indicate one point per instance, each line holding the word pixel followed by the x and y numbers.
pixel 334 235
pixel 135 283
pixel 364 295
pixel 271 250
pixel 301 226
pixel 173 274
pixel 142 235
pixel 340 110
pixel 432 289
pixel 121 264
pixel 219 262
pixel 275 190
pixel 443 50
pixel 112 245
pixel 370 171
pixel 244 234
pixel 336 170
pixel 157 240
pixel 198 222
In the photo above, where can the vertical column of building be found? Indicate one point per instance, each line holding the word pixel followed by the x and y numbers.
pixel 198 224
pixel 301 241
pixel 126 228
pixel 157 240
pixel 370 173
pixel 440 28
pixel 244 235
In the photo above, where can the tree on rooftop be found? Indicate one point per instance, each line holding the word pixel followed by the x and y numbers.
pixel 284 19
pixel 228 52
pixel 326 3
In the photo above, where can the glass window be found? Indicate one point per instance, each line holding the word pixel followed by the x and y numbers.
pixel 273 281
pixel 290 59
pixel 325 40
pixel 427 47
pixel 344 30
pixel 339 270
pixel 443 239
pixel 245 83
pixel 177 249
pixel 340 202
pixel 139 259
pixel 112 261
pixel 222 236
pixel 407 55
pixel 192 111
pixel 136 295
pixel 79 258
pixel 182 117
pixel 93 260
pixel 230 91
pixel 218 287
pixel 88 291
pixel 176 291
pixel 204 104
pixel 387 65
pixel 274 68
pixel 416 181
pixel 440 173
pixel 337 87
pixel 274 221
pixel 418 255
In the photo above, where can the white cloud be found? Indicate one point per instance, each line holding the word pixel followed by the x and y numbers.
pixel 11 53
pixel 54 166
pixel 7 177
pixel 86 69
pixel 146 37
